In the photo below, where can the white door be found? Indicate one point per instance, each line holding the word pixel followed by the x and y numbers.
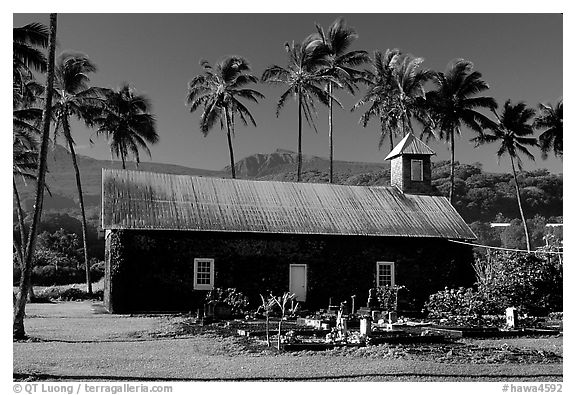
pixel 298 281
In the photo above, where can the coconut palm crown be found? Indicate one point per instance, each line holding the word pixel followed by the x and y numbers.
pixel 219 91
pixel 26 55
pixel 550 119
pixel 380 81
pixel 127 123
pixel 395 93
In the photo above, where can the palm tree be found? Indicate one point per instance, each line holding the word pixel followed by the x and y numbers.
pixel 26 123
pixel 18 330
pixel 380 81
pixel 304 78
pixel 27 118
pixel 396 93
pixel 513 130
pixel 340 65
pixel 74 98
pixel 24 162
pixel 128 124
pixel 550 118
pixel 454 104
pixel 26 55
pixel 409 93
pixel 219 92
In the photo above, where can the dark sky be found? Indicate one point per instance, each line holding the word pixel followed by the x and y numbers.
pixel 519 55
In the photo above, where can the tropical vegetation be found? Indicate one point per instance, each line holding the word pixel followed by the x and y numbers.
pixel 532 283
pixel 304 78
pixel 73 97
pixel 395 94
pixel 550 119
pixel 399 91
pixel 340 64
pixel 455 104
pixel 25 284
pixel 513 131
pixel 218 92
pixel 127 122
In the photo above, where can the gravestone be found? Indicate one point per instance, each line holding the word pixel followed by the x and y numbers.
pixel 366 326
pixel 511 317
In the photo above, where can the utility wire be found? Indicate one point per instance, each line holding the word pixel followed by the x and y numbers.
pixel 507 249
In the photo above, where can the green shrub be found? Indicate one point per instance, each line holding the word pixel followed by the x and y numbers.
pixel 387 297
pixel 237 301
pixel 461 301
pixel 50 275
pixel 68 293
pixel 529 282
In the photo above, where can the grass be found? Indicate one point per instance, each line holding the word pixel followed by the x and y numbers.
pixel 75 341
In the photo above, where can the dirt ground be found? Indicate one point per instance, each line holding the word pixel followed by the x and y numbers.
pixel 77 341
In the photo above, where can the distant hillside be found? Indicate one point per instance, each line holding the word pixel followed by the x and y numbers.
pixel 62 184
pixel 269 166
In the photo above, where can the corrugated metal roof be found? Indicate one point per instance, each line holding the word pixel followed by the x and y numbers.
pixel 410 145
pixel 142 200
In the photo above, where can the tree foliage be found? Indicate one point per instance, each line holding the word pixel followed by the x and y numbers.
pixel 550 119
pixel 532 283
pixel 127 122
pixel 303 78
pixel 220 92
pixel 395 93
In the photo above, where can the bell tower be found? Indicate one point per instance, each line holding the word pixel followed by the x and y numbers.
pixel 410 166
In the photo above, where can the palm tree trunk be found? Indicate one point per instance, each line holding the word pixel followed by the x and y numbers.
pixel 299 168
pixel 20 247
pixel 66 127
pixel 330 134
pixel 526 234
pixel 18 330
pixel 391 140
pixel 451 195
pixel 230 148
pixel 123 161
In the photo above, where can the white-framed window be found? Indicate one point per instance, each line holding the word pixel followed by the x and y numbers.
pixel 385 274
pixel 417 170
pixel 203 273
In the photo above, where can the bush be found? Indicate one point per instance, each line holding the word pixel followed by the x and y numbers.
pixel 230 297
pixel 531 283
pixel 68 293
pixel 461 301
pixel 387 297
pixel 59 275
pixel 50 275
